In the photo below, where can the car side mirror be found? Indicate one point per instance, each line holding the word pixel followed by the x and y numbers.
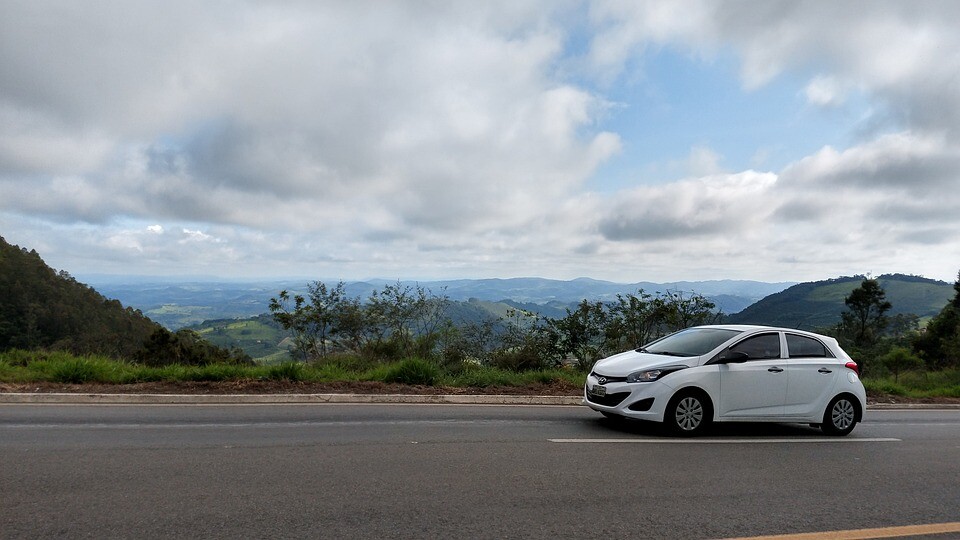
pixel 734 357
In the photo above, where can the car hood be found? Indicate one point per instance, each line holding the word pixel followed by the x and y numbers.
pixel 625 363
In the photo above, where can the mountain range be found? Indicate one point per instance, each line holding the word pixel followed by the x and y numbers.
pixel 178 304
pixel 41 306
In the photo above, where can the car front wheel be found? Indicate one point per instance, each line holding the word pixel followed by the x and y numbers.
pixel 687 414
pixel 840 417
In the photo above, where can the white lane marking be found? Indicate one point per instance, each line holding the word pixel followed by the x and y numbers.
pixel 721 441
pixel 861 534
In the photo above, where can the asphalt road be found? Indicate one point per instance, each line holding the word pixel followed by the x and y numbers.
pixel 428 471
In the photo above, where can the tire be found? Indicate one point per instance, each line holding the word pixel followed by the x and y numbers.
pixel 841 416
pixel 688 414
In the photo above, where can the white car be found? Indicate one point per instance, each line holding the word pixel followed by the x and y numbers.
pixel 731 373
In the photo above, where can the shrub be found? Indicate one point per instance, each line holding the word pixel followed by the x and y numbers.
pixel 885 386
pixel 900 359
pixel 212 372
pixel 78 370
pixel 287 371
pixel 20 357
pixel 413 371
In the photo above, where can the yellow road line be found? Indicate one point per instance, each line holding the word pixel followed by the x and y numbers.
pixel 861 534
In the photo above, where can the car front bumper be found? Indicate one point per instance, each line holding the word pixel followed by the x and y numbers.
pixel 642 401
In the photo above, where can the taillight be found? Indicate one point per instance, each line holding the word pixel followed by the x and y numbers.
pixel 853 366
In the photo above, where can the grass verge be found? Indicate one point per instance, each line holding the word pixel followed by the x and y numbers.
pixel 917 384
pixel 18 366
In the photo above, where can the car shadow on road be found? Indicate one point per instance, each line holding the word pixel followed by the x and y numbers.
pixel 716 430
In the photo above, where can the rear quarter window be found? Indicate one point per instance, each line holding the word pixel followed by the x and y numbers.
pixel 805 347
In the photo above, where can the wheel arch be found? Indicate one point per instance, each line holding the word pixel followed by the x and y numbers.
pixel 857 405
pixel 692 389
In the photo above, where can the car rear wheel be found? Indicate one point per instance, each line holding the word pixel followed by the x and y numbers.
pixel 840 417
pixel 688 414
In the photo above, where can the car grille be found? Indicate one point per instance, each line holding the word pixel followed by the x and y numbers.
pixel 609 400
pixel 607 378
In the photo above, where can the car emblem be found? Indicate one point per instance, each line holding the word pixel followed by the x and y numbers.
pixel 602 380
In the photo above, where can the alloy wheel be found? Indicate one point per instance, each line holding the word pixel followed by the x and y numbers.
pixel 842 415
pixel 689 413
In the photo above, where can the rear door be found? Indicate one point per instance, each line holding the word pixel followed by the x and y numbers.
pixel 757 387
pixel 812 371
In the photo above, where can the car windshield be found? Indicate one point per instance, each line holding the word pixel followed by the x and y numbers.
pixel 690 342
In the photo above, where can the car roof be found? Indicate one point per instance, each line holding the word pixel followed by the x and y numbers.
pixel 757 328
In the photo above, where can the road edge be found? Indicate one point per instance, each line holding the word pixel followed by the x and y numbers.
pixel 225 399
pixel 253 399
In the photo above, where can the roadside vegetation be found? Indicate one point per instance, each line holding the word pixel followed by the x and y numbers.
pixel 54 329
pixel 18 366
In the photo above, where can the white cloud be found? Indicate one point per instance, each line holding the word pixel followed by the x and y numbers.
pixel 903 55
pixel 825 92
pixel 278 116
pixel 460 139
pixel 712 207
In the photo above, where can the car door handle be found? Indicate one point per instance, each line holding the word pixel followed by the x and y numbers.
pixel 775 370
pixel 824 370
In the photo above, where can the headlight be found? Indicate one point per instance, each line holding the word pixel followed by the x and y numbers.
pixel 651 375
pixel 644 376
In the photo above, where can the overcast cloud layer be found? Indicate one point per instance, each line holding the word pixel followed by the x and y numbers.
pixel 476 139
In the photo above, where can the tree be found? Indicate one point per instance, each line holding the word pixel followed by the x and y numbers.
pixel 939 344
pixel 686 311
pixel 635 319
pixel 865 319
pixel 313 323
pixel 188 348
pixel 583 333
pixel 903 326
pixel 394 322
pixel 41 308
pixel 405 319
pixel 900 359
pixel 529 341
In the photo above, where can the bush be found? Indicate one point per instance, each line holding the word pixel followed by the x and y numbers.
pixel 482 377
pixel 900 359
pixel 20 357
pixel 413 371
pixel 186 347
pixel 78 370
pixel 287 371
pixel 212 372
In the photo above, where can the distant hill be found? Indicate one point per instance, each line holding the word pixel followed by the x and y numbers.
pixel 43 308
pixel 179 304
pixel 820 303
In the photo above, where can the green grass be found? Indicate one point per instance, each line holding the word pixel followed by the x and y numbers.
pixel 23 367
pixel 18 366
pixel 917 384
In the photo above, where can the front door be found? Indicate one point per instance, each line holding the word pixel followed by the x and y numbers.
pixel 757 387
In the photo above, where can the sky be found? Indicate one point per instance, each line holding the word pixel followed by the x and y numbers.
pixel 624 141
